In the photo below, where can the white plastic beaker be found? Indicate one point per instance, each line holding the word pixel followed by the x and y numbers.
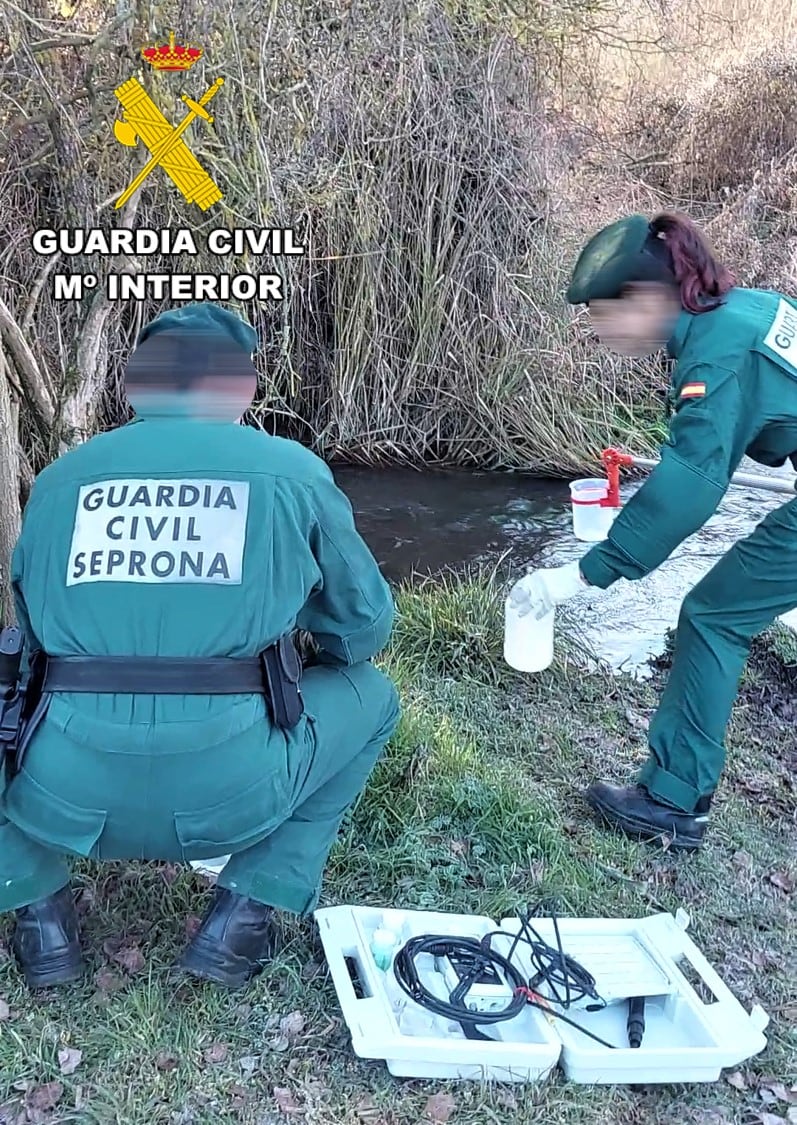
pixel 528 643
pixel 591 520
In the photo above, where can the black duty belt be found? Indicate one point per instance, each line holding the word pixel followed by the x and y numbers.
pixel 275 674
pixel 161 675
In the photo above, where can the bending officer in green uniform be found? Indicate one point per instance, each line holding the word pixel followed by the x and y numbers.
pixel 184 536
pixel 734 391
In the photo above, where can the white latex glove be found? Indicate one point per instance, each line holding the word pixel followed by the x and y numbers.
pixel 541 590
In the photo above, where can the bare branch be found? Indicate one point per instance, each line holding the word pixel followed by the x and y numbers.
pixel 78 408
pixel 53 44
pixel 21 123
pixel 9 508
pixel 36 292
pixel 33 385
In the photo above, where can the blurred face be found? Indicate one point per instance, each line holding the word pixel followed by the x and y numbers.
pixel 212 399
pixel 640 322
pixel 222 397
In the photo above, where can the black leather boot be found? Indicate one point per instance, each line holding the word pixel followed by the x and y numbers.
pixel 234 942
pixel 46 941
pixel 633 811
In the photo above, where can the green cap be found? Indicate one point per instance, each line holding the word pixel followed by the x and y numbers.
pixel 621 253
pixel 203 318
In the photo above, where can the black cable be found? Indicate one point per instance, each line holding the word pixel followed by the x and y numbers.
pixel 441 945
pixel 573 1024
pixel 553 966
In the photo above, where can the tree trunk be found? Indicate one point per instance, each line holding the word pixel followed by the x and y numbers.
pixel 9 494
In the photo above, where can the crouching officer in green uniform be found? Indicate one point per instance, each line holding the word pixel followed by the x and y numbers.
pixel 734 391
pixel 160 574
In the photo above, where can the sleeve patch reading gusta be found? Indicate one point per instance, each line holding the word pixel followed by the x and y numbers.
pixel 693 390
pixel 160 531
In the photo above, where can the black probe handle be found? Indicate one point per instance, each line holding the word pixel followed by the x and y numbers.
pixel 636 1021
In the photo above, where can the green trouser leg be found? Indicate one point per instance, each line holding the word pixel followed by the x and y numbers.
pixel 752 585
pixel 42 871
pixel 354 713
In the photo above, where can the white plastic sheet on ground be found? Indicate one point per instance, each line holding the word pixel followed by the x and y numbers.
pixel 209 868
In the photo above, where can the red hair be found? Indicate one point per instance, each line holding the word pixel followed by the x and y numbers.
pixel 702 279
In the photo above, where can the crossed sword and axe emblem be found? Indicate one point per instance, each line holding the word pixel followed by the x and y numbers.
pixel 168 150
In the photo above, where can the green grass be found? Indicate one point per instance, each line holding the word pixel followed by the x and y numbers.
pixel 475 807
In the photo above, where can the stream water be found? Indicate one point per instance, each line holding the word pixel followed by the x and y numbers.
pixel 425 522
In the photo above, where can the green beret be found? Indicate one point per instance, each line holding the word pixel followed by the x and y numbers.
pixel 203 318
pixel 624 252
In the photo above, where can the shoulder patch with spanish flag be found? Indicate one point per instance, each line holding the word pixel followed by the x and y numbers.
pixel 693 390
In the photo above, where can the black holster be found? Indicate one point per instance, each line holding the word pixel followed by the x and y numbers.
pixel 10 727
pixel 20 701
pixel 11 699
pixel 282 669
pixel 34 707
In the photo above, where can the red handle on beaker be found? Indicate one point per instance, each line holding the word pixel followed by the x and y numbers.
pixel 613 459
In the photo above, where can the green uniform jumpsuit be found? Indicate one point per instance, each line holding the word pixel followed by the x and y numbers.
pixel 734 390
pixel 123 552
